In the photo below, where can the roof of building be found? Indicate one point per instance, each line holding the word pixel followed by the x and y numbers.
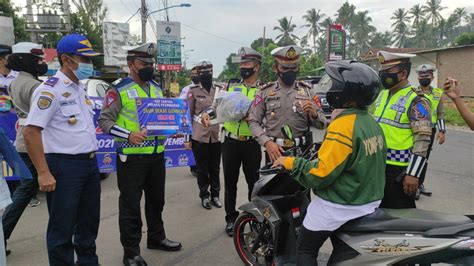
pixel 372 53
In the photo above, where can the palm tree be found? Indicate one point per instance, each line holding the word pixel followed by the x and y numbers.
pixel 432 9
pixel 424 37
pixel 313 17
pixel 321 44
pixel 362 31
pixel 344 16
pixel 286 28
pixel 401 29
pixel 325 26
pixel 417 14
pixel 461 14
pixel 381 39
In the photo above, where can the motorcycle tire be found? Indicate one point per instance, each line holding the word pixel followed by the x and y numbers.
pixel 243 241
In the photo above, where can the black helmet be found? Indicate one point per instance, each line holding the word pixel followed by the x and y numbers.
pixel 350 81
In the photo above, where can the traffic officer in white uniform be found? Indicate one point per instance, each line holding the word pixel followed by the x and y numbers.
pixel 61 142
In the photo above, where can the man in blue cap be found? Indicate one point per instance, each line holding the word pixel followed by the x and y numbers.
pixel 60 138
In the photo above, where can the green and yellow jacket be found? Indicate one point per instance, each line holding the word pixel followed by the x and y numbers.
pixel 350 168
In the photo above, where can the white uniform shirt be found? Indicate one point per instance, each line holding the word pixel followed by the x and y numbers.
pixel 184 92
pixel 53 105
pixel 5 81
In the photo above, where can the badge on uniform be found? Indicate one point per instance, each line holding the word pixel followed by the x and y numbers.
pixel 272 93
pixel 88 101
pixel 132 94
pixel 110 98
pixel 300 91
pixel 258 99
pixel 44 102
pixel 48 94
pixel 51 81
pixel 66 94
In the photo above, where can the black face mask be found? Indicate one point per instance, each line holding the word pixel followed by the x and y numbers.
pixel 288 77
pixel 146 73
pixel 206 81
pixel 41 69
pixel 195 80
pixel 388 79
pixel 246 72
pixel 425 82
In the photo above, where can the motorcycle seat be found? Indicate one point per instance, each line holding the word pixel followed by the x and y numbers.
pixel 411 220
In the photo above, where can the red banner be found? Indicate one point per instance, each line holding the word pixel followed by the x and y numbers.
pixel 169 67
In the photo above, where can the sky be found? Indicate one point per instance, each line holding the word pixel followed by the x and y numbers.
pixel 215 28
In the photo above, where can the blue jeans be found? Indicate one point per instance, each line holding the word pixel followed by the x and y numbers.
pixel 20 198
pixel 74 210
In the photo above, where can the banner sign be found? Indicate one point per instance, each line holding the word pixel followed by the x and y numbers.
pixel 175 153
pixel 164 116
pixel 336 43
pixel 115 35
pixel 169 45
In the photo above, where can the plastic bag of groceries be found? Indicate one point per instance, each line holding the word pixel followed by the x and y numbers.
pixel 232 106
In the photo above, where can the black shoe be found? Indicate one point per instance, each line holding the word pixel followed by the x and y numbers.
pixel 166 245
pixel 229 229
pixel 135 261
pixel 216 202
pixel 424 191
pixel 206 204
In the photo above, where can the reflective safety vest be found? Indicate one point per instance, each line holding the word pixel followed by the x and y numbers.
pixel 435 98
pixel 241 128
pixel 391 112
pixel 128 119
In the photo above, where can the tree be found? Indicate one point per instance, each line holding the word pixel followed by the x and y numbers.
pixel 344 16
pixel 362 30
pixel 260 41
pixel 432 9
pixel 325 26
pixel 424 37
pixel 401 30
pixel 417 14
pixel 321 44
pixel 461 14
pixel 286 28
pixel 313 18
pixel 381 39
pixel 19 22
pixel 464 39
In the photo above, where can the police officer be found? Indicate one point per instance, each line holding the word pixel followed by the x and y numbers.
pixel 240 147
pixel 405 117
pixel 425 77
pixel 205 138
pixel 27 60
pixel 141 162
pixel 61 141
pixel 287 107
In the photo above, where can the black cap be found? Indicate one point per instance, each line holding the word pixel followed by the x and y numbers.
pixel 5 49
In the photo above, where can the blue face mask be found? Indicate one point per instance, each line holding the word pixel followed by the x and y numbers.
pixel 84 71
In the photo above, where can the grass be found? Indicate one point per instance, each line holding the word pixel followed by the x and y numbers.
pixel 451 114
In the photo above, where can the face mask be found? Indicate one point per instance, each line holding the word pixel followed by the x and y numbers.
pixel 41 69
pixel 288 77
pixel 388 79
pixel 425 82
pixel 84 71
pixel 195 80
pixel 246 72
pixel 146 73
pixel 206 81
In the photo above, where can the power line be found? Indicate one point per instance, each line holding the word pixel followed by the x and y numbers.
pixel 211 34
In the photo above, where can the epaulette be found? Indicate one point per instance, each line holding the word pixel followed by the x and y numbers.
pixel 303 84
pixel 194 86
pixel 122 82
pixel 419 92
pixel 219 86
pixel 155 83
pixel 233 82
pixel 52 81
pixel 268 85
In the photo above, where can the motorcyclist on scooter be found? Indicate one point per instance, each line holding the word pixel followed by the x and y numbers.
pixel 348 177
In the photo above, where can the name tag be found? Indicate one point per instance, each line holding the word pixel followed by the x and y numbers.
pixel 67 103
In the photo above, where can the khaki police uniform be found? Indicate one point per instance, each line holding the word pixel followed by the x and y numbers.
pixel 21 90
pixel 140 167
pixel 240 148
pixel 205 140
pixel 405 118
pixel 280 106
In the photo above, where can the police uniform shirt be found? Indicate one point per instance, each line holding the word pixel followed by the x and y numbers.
pixel 280 106
pixel 5 81
pixel 21 90
pixel 199 99
pixel 64 112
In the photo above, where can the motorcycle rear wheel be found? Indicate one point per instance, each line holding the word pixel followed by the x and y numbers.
pixel 246 229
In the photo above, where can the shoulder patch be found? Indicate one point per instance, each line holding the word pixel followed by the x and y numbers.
pixel 49 94
pixel 51 81
pixel 44 102
pixel 266 86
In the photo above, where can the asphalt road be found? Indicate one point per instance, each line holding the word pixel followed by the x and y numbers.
pixel 450 177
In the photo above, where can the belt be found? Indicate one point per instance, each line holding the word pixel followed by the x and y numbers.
pixel 238 137
pixel 80 156
pixel 288 143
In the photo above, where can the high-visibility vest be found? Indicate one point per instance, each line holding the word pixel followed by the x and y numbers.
pixel 128 119
pixel 391 112
pixel 241 128
pixel 435 98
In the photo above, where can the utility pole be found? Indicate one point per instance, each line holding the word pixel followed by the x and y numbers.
pixel 143 14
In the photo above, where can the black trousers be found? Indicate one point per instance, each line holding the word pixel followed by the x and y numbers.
pixel 141 173
pixel 208 159
pixel 308 245
pixel 234 154
pixel 430 147
pixel 394 197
